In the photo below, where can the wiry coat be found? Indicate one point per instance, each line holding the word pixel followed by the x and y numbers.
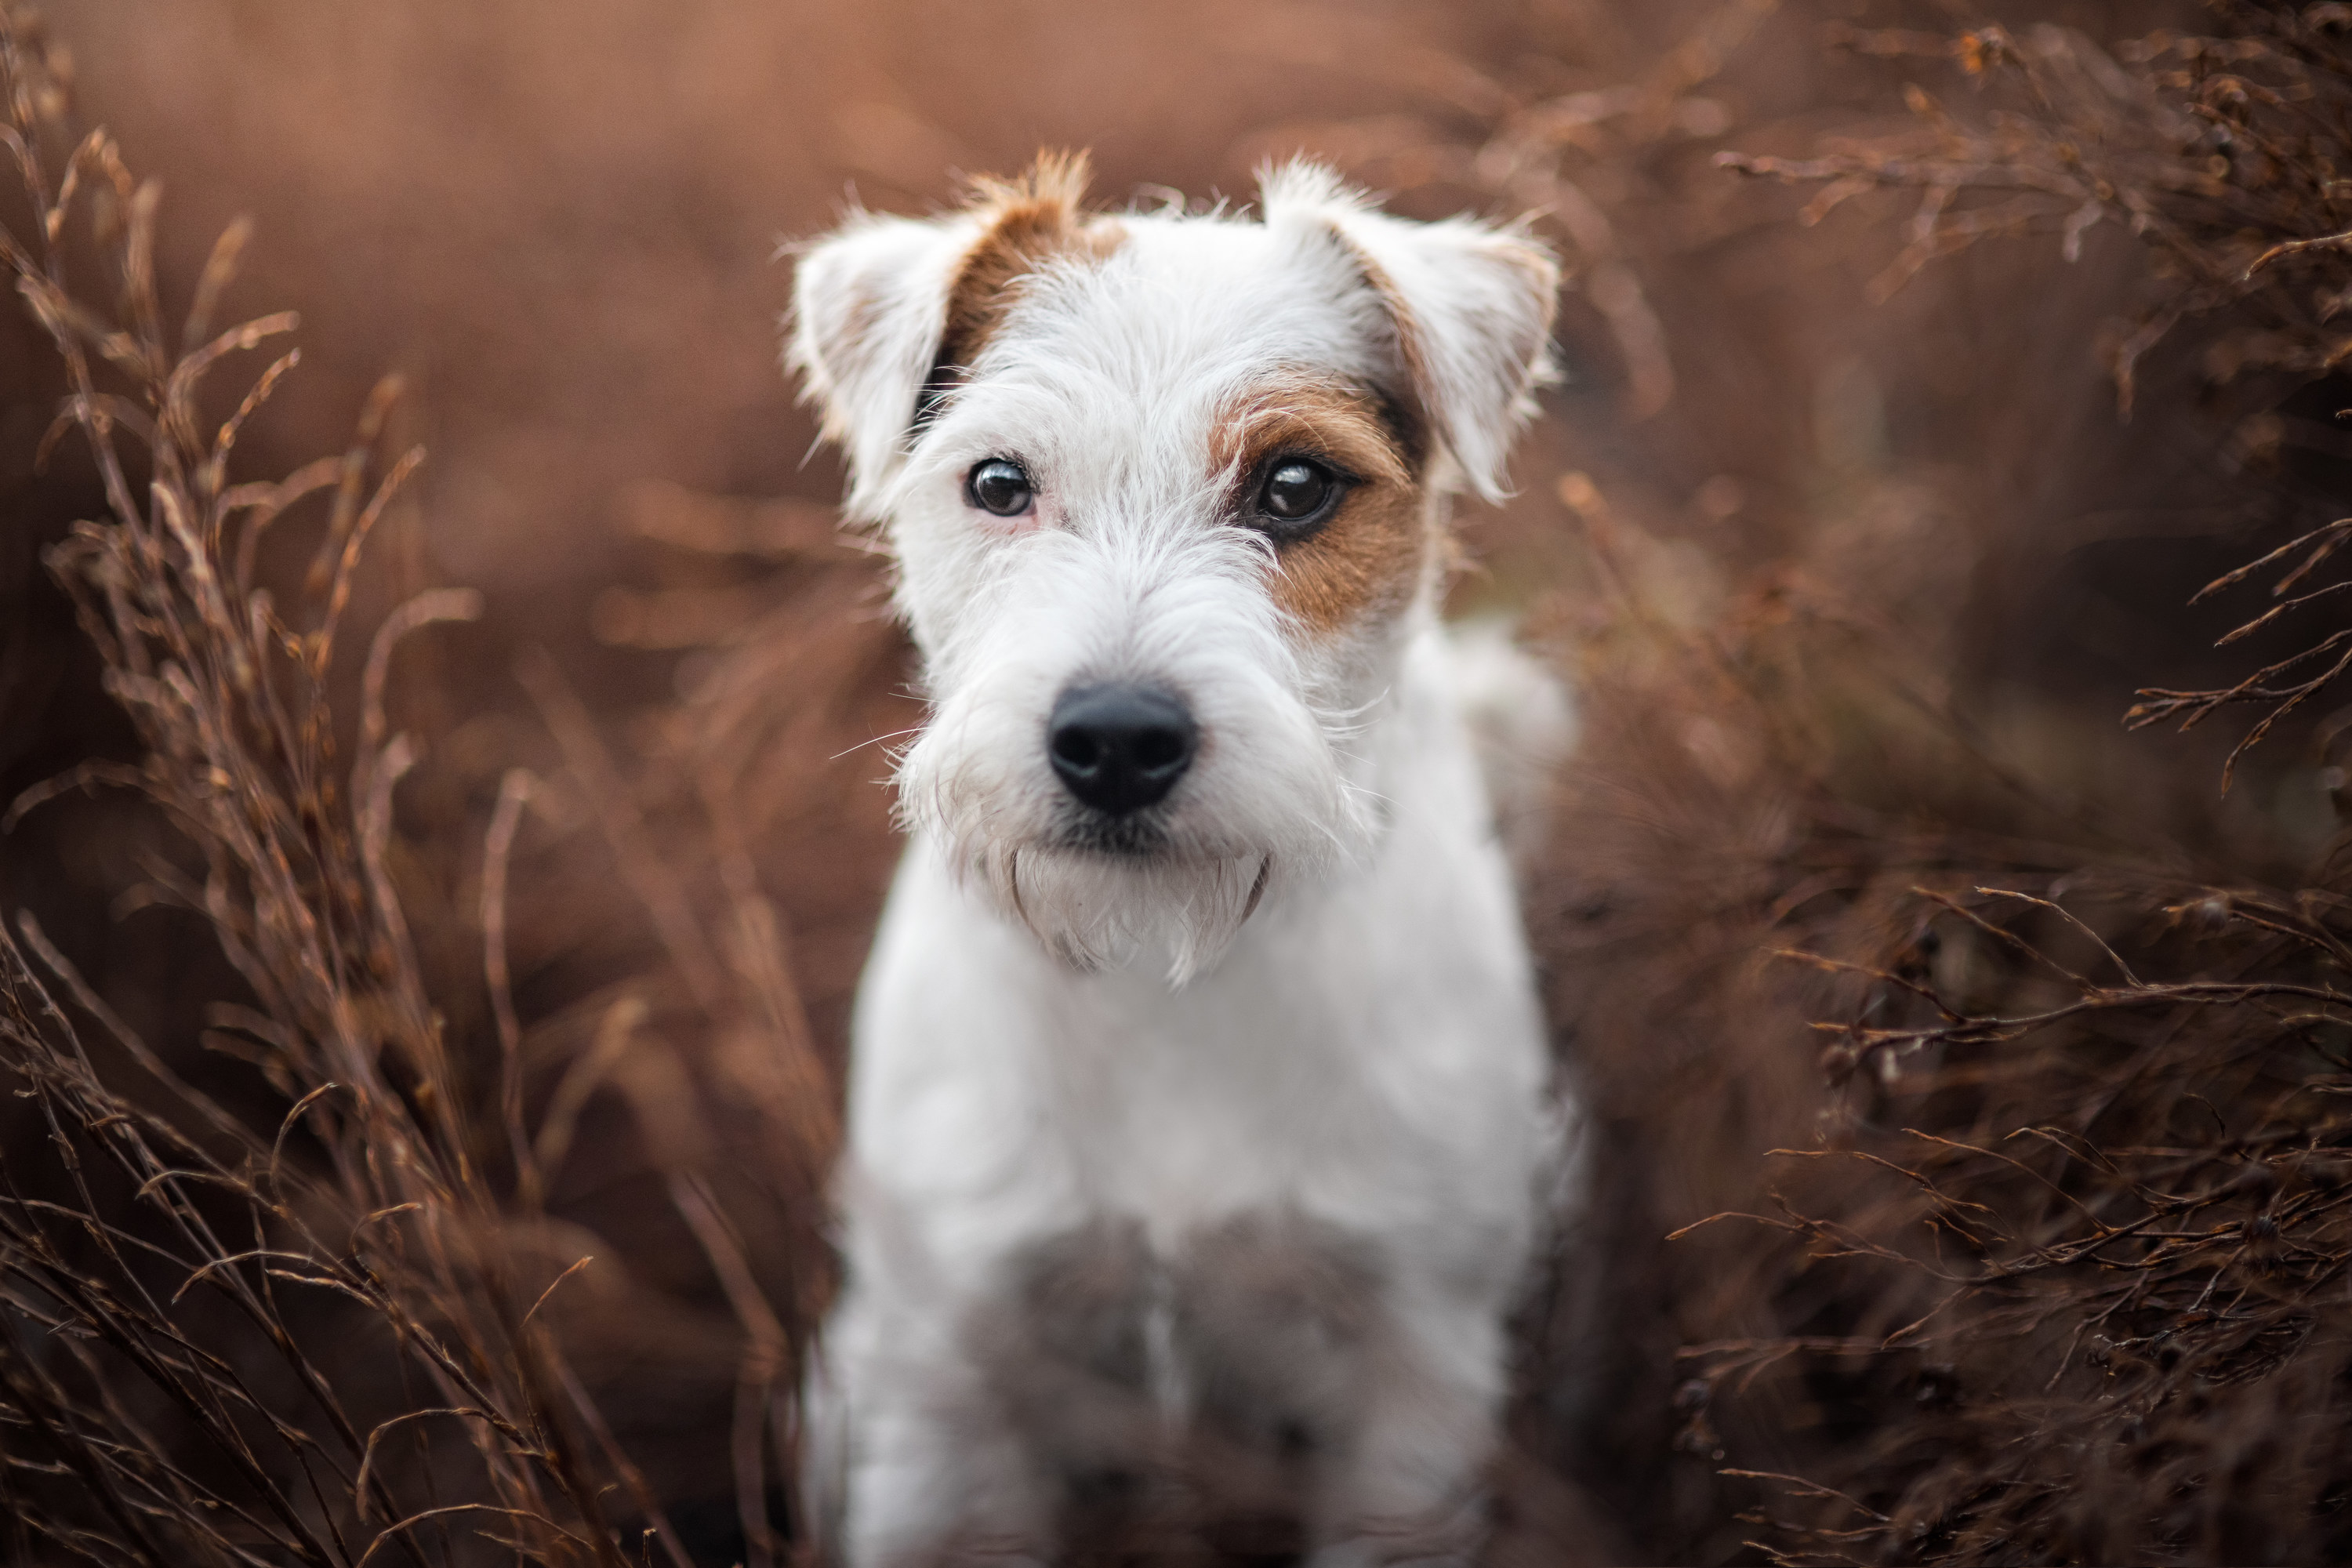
pixel 1193 1159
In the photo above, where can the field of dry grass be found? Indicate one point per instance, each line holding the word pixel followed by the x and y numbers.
pixel 441 854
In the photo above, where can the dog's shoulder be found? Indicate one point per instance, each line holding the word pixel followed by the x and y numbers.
pixel 1522 719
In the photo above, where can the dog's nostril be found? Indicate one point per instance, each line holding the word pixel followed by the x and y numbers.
pixel 1077 747
pixel 1159 748
pixel 1119 749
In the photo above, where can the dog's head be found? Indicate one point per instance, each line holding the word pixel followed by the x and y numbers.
pixel 1166 493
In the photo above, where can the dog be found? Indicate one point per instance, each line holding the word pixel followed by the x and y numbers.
pixel 1199 1111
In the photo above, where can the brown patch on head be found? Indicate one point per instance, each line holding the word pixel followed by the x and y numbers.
pixel 1026 222
pixel 1366 558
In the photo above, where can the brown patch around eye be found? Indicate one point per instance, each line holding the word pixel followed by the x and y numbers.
pixel 1366 555
pixel 1029 221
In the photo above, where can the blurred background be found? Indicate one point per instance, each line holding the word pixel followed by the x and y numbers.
pixel 1853 553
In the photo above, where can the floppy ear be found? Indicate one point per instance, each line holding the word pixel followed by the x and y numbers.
pixel 869 305
pixel 888 312
pixel 1471 306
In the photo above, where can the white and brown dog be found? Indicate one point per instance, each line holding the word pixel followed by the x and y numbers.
pixel 1199 1105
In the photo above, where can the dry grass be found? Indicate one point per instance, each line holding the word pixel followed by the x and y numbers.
pixel 2218 152
pixel 2058 1271
pixel 325 1338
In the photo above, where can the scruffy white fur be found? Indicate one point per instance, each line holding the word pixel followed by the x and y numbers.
pixel 1298 1042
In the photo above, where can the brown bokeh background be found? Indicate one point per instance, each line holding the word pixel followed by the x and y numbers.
pixel 562 223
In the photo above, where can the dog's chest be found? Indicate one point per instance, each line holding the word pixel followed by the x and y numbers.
pixel 1183 1109
pixel 1374 1065
pixel 1336 1091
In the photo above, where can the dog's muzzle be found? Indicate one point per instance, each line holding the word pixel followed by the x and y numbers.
pixel 1119 749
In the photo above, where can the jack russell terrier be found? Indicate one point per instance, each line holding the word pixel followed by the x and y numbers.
pixel 1200 1130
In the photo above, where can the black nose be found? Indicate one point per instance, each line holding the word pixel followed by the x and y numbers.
pixel 1120 747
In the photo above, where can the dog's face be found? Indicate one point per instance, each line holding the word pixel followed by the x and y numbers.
pixel 1166 494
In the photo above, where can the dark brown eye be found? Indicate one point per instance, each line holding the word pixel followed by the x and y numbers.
pixel 999 485
pixel 1294 496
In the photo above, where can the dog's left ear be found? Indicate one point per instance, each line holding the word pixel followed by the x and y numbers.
pixel 889 312
pixel 1470 305
pixel 869 304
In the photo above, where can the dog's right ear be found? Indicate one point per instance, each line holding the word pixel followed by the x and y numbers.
pixel 889 312
pixel 1469 305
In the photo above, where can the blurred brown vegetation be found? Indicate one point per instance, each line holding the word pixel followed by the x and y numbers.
pixel 565 880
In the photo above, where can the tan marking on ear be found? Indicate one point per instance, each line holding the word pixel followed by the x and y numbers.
pixel 1409 352
pixel 1368 556
pixel 1542 273
pixel 1029 221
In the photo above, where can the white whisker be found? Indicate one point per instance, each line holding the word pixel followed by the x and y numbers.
pixel 876 741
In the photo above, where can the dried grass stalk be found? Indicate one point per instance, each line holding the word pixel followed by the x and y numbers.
pixel 2218 152
pixel 162 1392
pixel 2068 1273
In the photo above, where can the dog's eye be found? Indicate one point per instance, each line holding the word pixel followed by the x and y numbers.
pixel 999 485
pixel 1294 496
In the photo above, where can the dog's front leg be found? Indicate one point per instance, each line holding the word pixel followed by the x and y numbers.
pixel 1412 1486
pixel 925 1473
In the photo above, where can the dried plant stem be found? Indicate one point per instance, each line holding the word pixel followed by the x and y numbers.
pixel 370 1213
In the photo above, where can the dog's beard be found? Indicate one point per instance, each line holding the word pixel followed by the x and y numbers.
pixel 1173 884
pixel 1097 910
pixel 1101 894
pixel 1106 894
